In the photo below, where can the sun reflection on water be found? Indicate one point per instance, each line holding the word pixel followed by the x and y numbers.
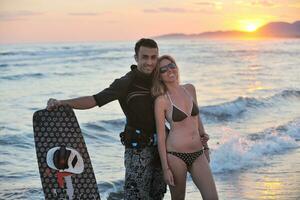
pixel 270 188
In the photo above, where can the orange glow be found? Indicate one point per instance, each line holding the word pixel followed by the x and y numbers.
pixel 94 20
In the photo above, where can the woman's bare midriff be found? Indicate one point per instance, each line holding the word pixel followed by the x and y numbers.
pixel 184 136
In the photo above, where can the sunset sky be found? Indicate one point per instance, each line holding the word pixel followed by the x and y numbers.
pixel 94 20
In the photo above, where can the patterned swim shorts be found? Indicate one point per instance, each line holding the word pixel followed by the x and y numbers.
pixel 143 176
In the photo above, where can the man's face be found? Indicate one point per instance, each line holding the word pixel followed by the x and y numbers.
pixel 146 59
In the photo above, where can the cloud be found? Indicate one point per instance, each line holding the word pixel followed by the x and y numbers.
pixel 258 3
pixel 263 3
pixel 167 10
pixel 84 14
pixel 218 5
pixel 176 10
pixel 18 15
pixel 205 3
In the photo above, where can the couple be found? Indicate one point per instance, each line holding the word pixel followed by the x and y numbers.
pixel 154 155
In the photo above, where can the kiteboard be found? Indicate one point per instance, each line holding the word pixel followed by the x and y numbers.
pixel 64 164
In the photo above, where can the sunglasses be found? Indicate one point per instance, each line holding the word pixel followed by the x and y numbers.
pixel 165 68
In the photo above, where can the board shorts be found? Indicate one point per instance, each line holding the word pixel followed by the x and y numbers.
pixel 143 176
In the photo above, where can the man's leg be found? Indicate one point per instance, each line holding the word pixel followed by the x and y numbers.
pixel 138 175
pixel 158 185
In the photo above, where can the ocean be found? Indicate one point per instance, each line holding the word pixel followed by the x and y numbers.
pixel 248 93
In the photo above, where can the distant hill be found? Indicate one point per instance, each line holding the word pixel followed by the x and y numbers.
pixel 280 29
pixel 273 29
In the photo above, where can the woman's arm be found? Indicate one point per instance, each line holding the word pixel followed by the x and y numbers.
pixel 160 109
pixel 161 133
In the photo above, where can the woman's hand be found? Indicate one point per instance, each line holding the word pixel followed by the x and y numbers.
pixel 168 177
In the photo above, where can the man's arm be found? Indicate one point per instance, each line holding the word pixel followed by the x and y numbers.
pixel 117 89
pixel 81 103
pixel 113 92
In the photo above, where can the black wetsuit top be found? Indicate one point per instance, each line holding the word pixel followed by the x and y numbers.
pixel 133 93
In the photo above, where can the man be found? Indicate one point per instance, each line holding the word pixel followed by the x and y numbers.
pixel 143 176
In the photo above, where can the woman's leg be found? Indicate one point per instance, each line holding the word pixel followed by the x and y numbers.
pixel 179 170
pixel 203 178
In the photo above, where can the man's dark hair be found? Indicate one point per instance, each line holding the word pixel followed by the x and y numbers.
pixel 145 42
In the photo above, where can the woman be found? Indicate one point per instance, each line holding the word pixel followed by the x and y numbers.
pixel 181 150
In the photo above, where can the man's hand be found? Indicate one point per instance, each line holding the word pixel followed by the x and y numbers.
pixel 53 104
pixel 204 138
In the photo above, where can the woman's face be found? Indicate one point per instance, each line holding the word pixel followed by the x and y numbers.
pixel 168 71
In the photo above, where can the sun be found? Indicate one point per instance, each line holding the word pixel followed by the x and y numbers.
pixel 251 27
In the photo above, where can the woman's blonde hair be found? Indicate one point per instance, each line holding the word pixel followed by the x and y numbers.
pixel 159 87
